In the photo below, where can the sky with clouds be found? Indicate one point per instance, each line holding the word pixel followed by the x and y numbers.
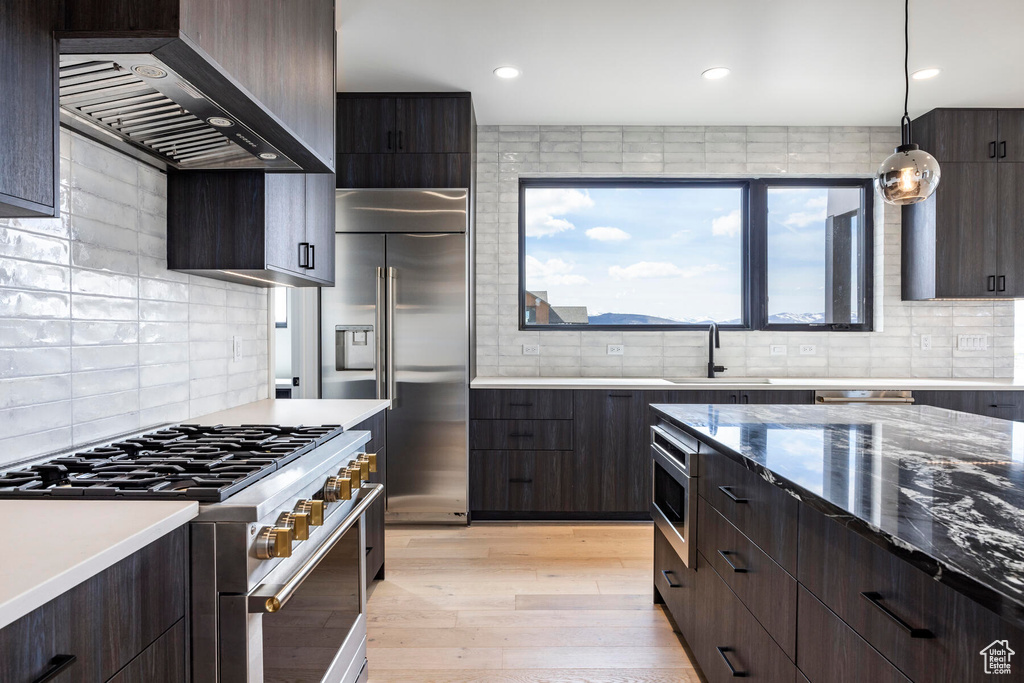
pixel 671 252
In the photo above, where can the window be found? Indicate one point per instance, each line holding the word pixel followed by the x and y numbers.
pixel 280 307
pixel 675 254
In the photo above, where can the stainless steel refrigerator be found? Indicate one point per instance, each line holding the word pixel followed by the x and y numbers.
pixel 396 325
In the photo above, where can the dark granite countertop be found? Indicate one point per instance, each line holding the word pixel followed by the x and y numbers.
pixel 942 489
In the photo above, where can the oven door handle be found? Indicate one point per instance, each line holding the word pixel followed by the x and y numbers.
pixel 272 597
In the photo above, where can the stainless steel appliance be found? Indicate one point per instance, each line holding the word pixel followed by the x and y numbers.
pixel 674 508
pixel 847 397
pixel 278 561
pixel 395 325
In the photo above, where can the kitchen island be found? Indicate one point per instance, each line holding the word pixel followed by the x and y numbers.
pixel 852 543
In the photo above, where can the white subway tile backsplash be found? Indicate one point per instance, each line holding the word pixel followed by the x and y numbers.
pixel 892 350
pixel 95 331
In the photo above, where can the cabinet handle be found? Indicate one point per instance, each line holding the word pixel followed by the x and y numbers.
pixel 399 140
pixel 671 584
pixel 57 665
pixel 520 481
pixel 991 150
pixel 1002 405
pixel 725 556
pixel 991 283
pixel 745 398
pixel 311 259
pixel 389 144
pixel 521 405
pixel 727 490
pixel 1002 149
pixel 1002 283
pixel 520 435
pixel 733 671
pixel 732 398
pixel 620 395
pixel 876 599
pixel 303 254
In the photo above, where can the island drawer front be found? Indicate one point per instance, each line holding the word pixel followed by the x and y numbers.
pixel 520 404
pixel 675 583
pixel 726 635
pixel 765 514
pixel 839 566
pixel 105 621
pixel 831 652
pixel 161 662
pixel 765 588
pixel 525 435
pixel 520 481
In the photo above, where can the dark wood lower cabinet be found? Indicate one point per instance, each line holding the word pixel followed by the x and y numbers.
pixel 726 638
pixel 530 435
pixel 107 621
pixel 829 651
pixel 675 585
pixel 520 481
pixel 1005 405
pixel 161 662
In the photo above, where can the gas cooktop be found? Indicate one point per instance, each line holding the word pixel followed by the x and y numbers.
pixel 194 462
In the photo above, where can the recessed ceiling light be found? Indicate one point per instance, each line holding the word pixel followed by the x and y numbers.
pixel 925 74
pixel 507 72
pixel 715 72
pixel 268 156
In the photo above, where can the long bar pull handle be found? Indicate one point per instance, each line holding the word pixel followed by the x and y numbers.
pixel 57 665
pixel 271 598
pixel 727 490
pixel 392 297
pixel 733 671
pixel 876 599
pixel 732 565
pixel 378 336
pixel 668 573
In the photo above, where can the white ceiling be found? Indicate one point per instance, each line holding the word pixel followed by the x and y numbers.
pixel 794 62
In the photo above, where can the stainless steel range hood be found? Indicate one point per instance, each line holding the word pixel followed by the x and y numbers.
pixel 143 103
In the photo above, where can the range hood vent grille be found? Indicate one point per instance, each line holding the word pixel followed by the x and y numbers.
pixel 152 108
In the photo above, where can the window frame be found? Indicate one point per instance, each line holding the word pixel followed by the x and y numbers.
pixel 753 245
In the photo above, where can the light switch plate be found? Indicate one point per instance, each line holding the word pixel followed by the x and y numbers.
pixel 778 349
pixel 972 342
pixel 926 342
pixel 236 349
pixel 808 349
pixel 531 349
pixel 615 349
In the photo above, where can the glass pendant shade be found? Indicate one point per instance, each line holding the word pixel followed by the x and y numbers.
pixel 909 176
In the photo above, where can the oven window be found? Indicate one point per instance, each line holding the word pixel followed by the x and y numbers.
pixel 669 496
pixel 302 640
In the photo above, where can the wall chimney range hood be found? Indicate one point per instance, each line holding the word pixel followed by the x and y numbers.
pixel 144 103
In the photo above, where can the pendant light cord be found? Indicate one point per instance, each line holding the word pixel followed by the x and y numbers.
pixel 905 121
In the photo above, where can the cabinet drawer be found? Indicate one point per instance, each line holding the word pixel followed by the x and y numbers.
pixel 729 642
pixel 765 514
pixel 839 567
pixel 762 585
pixel 105 622
pixel 161 662
pixel 520 404
pixel 520 481
pixel 830 651
pixel 514 435
pixel 674 583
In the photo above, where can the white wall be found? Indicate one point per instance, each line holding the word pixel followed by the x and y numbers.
pixel 97 337
pixel 506 153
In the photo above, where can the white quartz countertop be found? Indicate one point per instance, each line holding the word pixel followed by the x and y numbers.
pixel 295 411
pixel 54 545
pixel 726 383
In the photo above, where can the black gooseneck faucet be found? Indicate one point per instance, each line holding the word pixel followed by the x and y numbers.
pixel 714 342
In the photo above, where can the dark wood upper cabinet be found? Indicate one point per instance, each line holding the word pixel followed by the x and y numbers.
pixel 269 62
pixel 963 241
pixel 415 140
pixel 252 227
pixel 29 138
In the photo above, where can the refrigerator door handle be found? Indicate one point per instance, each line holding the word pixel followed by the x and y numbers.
pixel 379 339
pixel 392 296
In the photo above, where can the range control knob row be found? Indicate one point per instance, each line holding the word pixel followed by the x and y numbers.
pixel 314 508
pixel 274 541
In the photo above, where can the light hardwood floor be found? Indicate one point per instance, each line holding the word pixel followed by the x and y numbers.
pixel 521 603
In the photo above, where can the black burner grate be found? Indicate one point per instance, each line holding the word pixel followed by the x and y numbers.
pixel 196 462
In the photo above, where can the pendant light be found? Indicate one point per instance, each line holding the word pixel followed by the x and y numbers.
pixel 910 175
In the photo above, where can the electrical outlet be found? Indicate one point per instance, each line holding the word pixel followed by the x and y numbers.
pixel 236 349
pixel 778 349
pixel 615 349
pixel 926 342
pixel 808 349
pixel 531 349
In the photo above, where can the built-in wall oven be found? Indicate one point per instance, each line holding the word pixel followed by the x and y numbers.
pixel 674 508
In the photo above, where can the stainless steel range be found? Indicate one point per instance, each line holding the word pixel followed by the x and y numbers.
pixel 277 551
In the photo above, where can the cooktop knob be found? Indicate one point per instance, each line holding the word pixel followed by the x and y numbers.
pixel 298 522
pixel 337 488
pixel 364 466
pixel 313 508
pixel 274 541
